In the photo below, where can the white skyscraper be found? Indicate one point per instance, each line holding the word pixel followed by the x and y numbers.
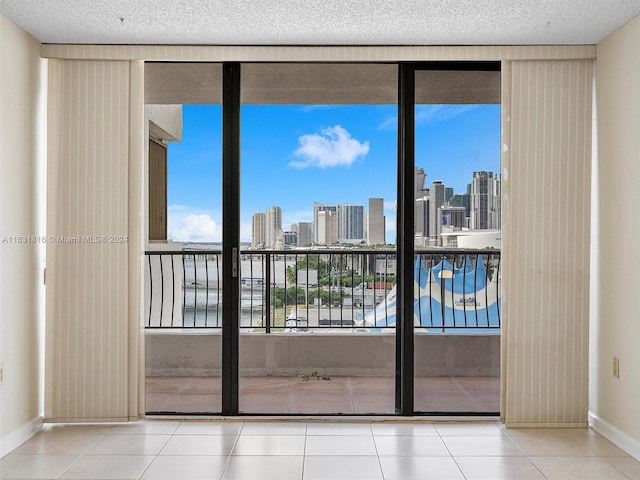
pixel 273 225
pixel 327 227
pixel 485 201
pixel 258 229
pixel 376 222
pixel 322 207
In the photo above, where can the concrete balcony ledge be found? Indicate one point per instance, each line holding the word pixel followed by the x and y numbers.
pixel 198 353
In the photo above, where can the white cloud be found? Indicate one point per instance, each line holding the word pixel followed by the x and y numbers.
pixel 330 147
pixel 177 208
pixel 426 114
pixel 187 226
pixel 439 113
pixel 390 123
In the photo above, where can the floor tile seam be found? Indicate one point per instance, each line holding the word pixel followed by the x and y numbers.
pixel 459 468
pixel 82 453
pixel 69 467
pixel 572 456
pixel 375 446
pixel 503 456
pixel 593 452
pixel 563 456
pixel 616 467
pixel 522 453
pixel 229 455
pixel 586 444
pixel 304 450
pixel 155 456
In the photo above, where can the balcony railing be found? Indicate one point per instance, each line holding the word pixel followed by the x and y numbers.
pixel 324 290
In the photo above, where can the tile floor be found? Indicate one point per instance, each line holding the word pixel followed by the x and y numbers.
pixel 346 395
pixel 315 449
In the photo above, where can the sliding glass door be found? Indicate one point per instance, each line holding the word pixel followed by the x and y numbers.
pixel 327 240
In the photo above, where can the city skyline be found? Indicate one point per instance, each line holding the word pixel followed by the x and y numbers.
pixel 333 154
pixel 438 211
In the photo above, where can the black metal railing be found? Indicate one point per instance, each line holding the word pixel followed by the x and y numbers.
pixel 322 289
pixel 457 289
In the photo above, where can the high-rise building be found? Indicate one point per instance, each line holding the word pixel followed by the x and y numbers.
pixel 258 230
pixel 485 201
pixel 421 230
pixel 322 207
pixel 462 200
pixel 290 238
pixel 418 182
pixel 448 194
pixel 350 223
pixel 376 222
pixel 453 217
pixel 436 201
pixel 304 231
pixel 327 227
pixel 495 215
pixel 273 226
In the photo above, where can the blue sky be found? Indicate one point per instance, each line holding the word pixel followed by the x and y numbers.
pixel 293 155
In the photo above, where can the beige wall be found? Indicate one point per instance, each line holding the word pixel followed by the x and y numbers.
pixel 21 187
pixel 614 402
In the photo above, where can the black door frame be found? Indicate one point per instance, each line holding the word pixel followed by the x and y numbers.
pixel 231 105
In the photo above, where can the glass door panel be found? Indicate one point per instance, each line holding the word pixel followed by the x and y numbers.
pixel 457 240
pixel 183 289
pixel 318 187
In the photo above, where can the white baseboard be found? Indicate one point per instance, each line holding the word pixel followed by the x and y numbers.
pixel 20 435
pixel 614 434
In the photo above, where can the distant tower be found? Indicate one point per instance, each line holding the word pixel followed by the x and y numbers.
pixel 448 194
pixel 485 201
pixel 290 238
pixel 495 215
pixel 421 219
pixel 453 217
pixel 350 223
pixel 418 181
pixel 436 201
pixel 258 230
pixel 376 222
pixel 321 207
pixel 327 227
pixel 304 231
pixel 273 225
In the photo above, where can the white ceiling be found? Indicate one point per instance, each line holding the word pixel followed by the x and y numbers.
pixel 321 22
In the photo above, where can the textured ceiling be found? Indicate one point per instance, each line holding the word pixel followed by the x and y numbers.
pixel 321 22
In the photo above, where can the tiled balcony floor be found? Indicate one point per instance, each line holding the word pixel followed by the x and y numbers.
pixel 247 449
pixel 344 395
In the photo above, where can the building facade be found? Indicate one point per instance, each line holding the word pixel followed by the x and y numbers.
pixel 258 230
pixel 350 223
pixel 376 222
pixel 304 232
